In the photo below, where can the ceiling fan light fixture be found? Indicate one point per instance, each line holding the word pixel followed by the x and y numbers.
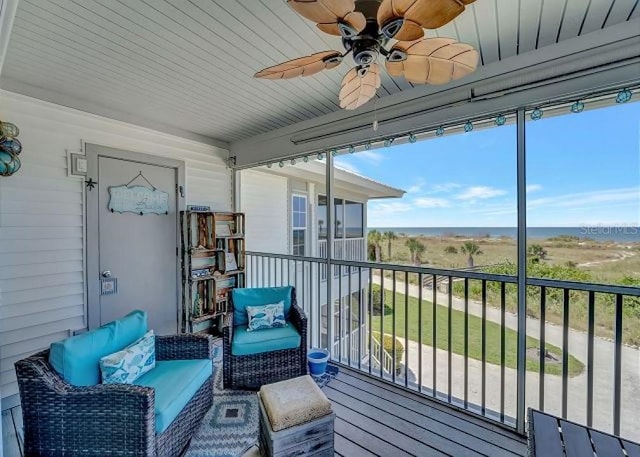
pixel 392 27
pixel 397 55
pixel 346 30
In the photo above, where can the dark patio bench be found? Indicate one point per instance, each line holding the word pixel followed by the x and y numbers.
pixel 550 436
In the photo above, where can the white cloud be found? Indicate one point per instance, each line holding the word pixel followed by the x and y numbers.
pixel 341 163
pixel 480 192
pixel 584 199
pixel 442 188
pixel 533 188
pixel 429 202
pixel 370 156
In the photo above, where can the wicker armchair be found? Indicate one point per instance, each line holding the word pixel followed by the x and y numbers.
pixel 253 371
pixel 107 419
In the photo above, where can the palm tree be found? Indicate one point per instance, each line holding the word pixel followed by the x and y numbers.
pixel 375 239
pixel 470 248
pixel 420 249
pixel 389 237
pixel 416 248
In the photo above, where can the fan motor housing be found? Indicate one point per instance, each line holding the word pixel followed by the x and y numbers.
pixel 365 51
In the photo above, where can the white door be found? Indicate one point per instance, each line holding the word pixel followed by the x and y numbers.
pixel 133 254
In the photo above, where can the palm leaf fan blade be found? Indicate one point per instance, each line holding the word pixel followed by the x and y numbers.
pixel 327 14
pixel 434 61
pixel 302 66
pixel 419 14
pixel 356 89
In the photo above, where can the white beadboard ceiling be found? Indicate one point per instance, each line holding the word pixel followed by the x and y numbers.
pixel 188 64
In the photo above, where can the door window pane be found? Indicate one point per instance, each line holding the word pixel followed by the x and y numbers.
pixel 353 215
pixel 339 218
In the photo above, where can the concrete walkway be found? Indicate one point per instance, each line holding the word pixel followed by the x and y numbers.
pixel 577 390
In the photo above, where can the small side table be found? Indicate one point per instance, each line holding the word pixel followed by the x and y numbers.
pixel 550 436
pixel 295 419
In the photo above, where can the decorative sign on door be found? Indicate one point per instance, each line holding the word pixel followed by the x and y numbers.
pixel 138 199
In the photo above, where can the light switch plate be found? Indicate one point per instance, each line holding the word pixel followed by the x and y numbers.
pixel 77 164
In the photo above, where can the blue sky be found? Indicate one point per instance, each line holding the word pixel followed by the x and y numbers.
pixel 582 169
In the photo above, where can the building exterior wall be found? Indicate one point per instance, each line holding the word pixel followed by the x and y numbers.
pixel 264 200
pixel 42 220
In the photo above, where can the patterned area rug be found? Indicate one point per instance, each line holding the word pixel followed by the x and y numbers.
pixel 231 425
pixel 230 428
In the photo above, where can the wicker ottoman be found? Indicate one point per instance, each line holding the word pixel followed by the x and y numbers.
pixel 295 419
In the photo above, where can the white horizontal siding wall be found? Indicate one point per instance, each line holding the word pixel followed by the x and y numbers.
pixel 42 290
pixel 264 198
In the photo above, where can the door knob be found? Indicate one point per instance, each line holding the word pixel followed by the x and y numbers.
pixel 106 274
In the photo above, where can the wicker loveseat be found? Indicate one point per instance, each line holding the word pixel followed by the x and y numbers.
pixel 61 419
pixel 252 359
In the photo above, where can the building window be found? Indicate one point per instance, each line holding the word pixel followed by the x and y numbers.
pixel 353 219
pixel 348 219
pixel 322 217
pixel 299 223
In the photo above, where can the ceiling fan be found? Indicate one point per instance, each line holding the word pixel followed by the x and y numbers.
pixel 393 29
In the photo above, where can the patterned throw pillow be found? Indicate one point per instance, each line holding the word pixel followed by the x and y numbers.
pixel 267 316
pixel 127 365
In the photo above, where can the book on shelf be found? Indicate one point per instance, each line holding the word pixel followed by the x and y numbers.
pixel 230 262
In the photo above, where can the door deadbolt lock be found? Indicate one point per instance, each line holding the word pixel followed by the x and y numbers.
pixel 106 274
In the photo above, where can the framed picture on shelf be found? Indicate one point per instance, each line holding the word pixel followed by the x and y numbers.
pixel 223 230
pixel 230 262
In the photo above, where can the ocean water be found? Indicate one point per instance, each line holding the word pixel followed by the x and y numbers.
pixel 616 233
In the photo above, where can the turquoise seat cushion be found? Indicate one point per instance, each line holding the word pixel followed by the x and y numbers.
pixel 175 383
pixel 258 296
pixel 77 359
pixel 273 339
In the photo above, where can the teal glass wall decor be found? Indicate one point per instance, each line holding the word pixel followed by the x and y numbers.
pixel 10 149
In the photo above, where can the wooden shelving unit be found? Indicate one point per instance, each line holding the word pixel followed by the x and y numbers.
pixel 213 263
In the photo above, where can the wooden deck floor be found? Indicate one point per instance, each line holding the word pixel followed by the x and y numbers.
pixel 375 418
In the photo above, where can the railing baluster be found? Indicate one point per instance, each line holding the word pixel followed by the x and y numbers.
pixel 262 272
pixel 590 367
pixel 370 315
pixel 484 346
pixel 360 318
pixel 319 310
pixel 406 329
pixel 466 342
pixel 420 285
pixel 393 326
pixel 340 333
pixel 449 335
pixel 382 305
pixel 434 343
pixel 348 269
pixel 502 347
pixel 617 366
pixel 543 347
pixel 565 351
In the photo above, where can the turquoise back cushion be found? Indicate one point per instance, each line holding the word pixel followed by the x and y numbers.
pixel 77 359
pixel 258 296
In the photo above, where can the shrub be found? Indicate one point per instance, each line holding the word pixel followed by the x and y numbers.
pixel 536 251
pixel 377 297
pixel 451 250
pixel 388 346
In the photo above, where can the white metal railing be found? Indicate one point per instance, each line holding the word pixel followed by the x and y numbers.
pixel 381 357
pixel 353 249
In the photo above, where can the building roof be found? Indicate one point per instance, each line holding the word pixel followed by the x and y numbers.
pixel 346 180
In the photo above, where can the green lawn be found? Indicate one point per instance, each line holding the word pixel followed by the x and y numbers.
pixel 457 337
